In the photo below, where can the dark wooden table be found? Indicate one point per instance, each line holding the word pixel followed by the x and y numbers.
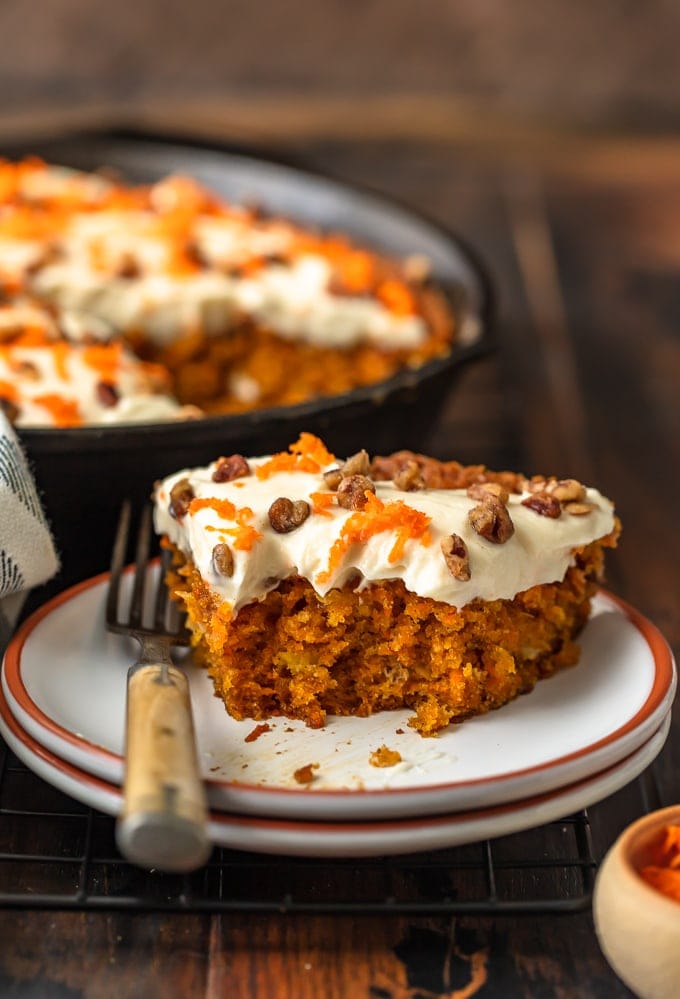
pixel 584 246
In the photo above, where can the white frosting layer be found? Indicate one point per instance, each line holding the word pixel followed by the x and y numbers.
pixel 59 373
pixel 540 550
pixel 292 300
pixel 97 241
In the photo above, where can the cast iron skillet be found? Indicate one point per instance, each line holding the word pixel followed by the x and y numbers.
pixel 83 473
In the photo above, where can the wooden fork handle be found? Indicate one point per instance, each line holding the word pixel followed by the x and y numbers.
pixel 163 821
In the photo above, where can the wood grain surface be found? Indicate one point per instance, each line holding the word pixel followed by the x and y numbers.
pixel 585 382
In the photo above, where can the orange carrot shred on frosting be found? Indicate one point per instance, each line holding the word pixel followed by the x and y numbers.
pixel 244 537
pixel 61 352
pixel 244 534
pixel 358 270
pixel 64 412
pixel 312 447
pixel 104 358
pixel 308 454
pixel 33 336
pixel 244 515
pixel 321 502
pixel 397 297
pixel 375 518
pixel 224 508
pixel 663 873
pixel 8 391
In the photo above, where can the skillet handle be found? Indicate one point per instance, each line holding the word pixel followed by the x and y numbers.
pixel 163 821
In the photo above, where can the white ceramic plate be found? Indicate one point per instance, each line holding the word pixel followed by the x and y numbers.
pixel 64 679
pixel 349 839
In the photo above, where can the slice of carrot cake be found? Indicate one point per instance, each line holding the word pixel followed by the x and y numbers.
pixel 315 586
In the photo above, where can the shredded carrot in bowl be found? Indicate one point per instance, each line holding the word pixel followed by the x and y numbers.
pixel 663 873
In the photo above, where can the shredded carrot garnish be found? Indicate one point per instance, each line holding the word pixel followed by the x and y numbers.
pixel 307 454
pixel 283 462
pixel 224 508
pixel 357 269
pixel 104 358
pixel 32 336
pixel 64 412
pixel 312 447
pixel 251 266
pixel 60 353
pixel 397 297
pixel 244 537
pixel 8 391
pixel 375 518
pixel 244 515
pixel 244 534
pixel 321 502
pixel 664 871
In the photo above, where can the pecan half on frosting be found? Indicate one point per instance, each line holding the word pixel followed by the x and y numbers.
pixel 491 520
pixel 285 514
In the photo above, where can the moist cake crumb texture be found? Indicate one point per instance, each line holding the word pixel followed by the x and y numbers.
pixel 316 586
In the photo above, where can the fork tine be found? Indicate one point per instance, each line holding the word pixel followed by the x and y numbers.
pixel 173 619
pixel 141 561
pixel 160 610
pixel 117 563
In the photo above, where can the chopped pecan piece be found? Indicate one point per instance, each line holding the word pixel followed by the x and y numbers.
pixel 27 369
pixel 357 464
pixel 181 496
pixel 194 253
pixel 579 509
pixel 567 490
pixel 333 478
pixel 285 514
pixel 9 333
pixel 223 559
pixel 409 477
pixel 491 520
pixel 456 557
pixel 543 504
pixel 352 492
pixel 233 467
pixel 107 394
pixel 128 268
pixel 480 490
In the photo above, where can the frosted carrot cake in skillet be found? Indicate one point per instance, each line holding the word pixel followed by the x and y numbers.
pixel 242 310
pixel 316 586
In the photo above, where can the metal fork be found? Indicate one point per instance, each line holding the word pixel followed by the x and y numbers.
pixel 163 821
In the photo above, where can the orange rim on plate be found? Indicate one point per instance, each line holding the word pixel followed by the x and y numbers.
pixel 251 821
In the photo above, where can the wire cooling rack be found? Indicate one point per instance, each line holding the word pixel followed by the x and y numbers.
pixel 58 854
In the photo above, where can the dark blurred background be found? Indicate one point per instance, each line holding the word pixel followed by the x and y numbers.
pixel 273 71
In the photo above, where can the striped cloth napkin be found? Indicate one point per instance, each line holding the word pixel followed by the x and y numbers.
pixel 27 553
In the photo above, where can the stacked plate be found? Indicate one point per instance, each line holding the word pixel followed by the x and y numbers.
pixel 574 740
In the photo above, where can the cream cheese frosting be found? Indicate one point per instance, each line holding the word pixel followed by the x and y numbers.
pixel 540 550
pixel 47 381
pixel 241 310
pixel 290 299
pixel 94 241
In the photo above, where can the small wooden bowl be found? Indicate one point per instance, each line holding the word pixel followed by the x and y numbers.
pixel 638 927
